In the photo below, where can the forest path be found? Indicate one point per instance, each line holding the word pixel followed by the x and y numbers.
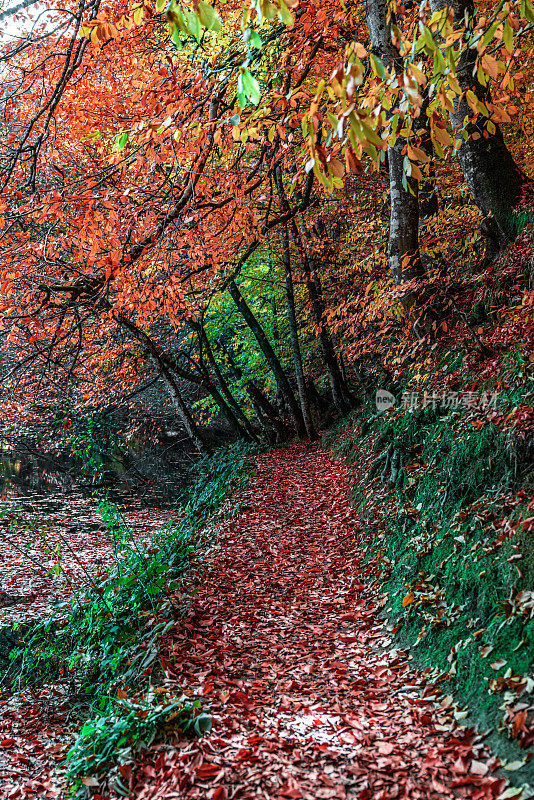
pixel 282 641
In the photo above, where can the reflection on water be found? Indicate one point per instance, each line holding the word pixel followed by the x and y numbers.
pixel 33 478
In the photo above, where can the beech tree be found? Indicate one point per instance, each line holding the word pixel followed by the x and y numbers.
pixel 152 152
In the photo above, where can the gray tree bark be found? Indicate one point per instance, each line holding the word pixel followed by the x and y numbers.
pixel 403 246
pixel 494 180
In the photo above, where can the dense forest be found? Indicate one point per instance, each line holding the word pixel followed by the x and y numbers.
pixel 266 410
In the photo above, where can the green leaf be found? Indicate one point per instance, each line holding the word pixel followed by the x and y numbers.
pixel 202 724
pixel 175 15
pixel 488 36
pixel 251 87
pixel 377 65
pixel 370 134
pixel 208 17
pixel 255 41
pixel 527 11
pixel 121 141
pixel 439 62
pixel 429 39
pixel 192 23
pixel 508 37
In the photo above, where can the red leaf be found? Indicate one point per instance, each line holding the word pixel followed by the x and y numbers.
pixel 208 772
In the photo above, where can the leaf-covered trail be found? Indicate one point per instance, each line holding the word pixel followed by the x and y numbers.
pixel 282 641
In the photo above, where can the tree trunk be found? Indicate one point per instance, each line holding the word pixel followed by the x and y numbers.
pixel 340 392
pixel 262 406
pixel 227 412
pixel 272 359
pixel 403 246
pixel 294 338
pixel 180 406
pixel 159 362
pixel 245 429
pixel 494 180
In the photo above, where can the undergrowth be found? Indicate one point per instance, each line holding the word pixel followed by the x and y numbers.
pixel 445 499
pixel 105 648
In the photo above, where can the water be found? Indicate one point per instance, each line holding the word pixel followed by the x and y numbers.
pixel 53 540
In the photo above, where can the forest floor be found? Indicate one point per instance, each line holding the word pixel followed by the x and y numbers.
pixel 284 643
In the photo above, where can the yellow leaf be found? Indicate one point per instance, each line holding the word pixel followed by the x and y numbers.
pixel 508 37
pixel 417 74
pixel 285 15
pixel 138 14
pixel 472 100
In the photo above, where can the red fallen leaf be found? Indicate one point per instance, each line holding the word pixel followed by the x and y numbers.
pixel 292 793
pixel 460 765
pixel 464 781
pixel 90 781
pixel 241 698
pixel 519 724
pixel 125 771
pixel 478 768
pixel 207 772
pixel 348 738
pixel 271 656
pixel 149 771
pixel 409 598
pixel 338 665
pixel 7 743
pixel 385 748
